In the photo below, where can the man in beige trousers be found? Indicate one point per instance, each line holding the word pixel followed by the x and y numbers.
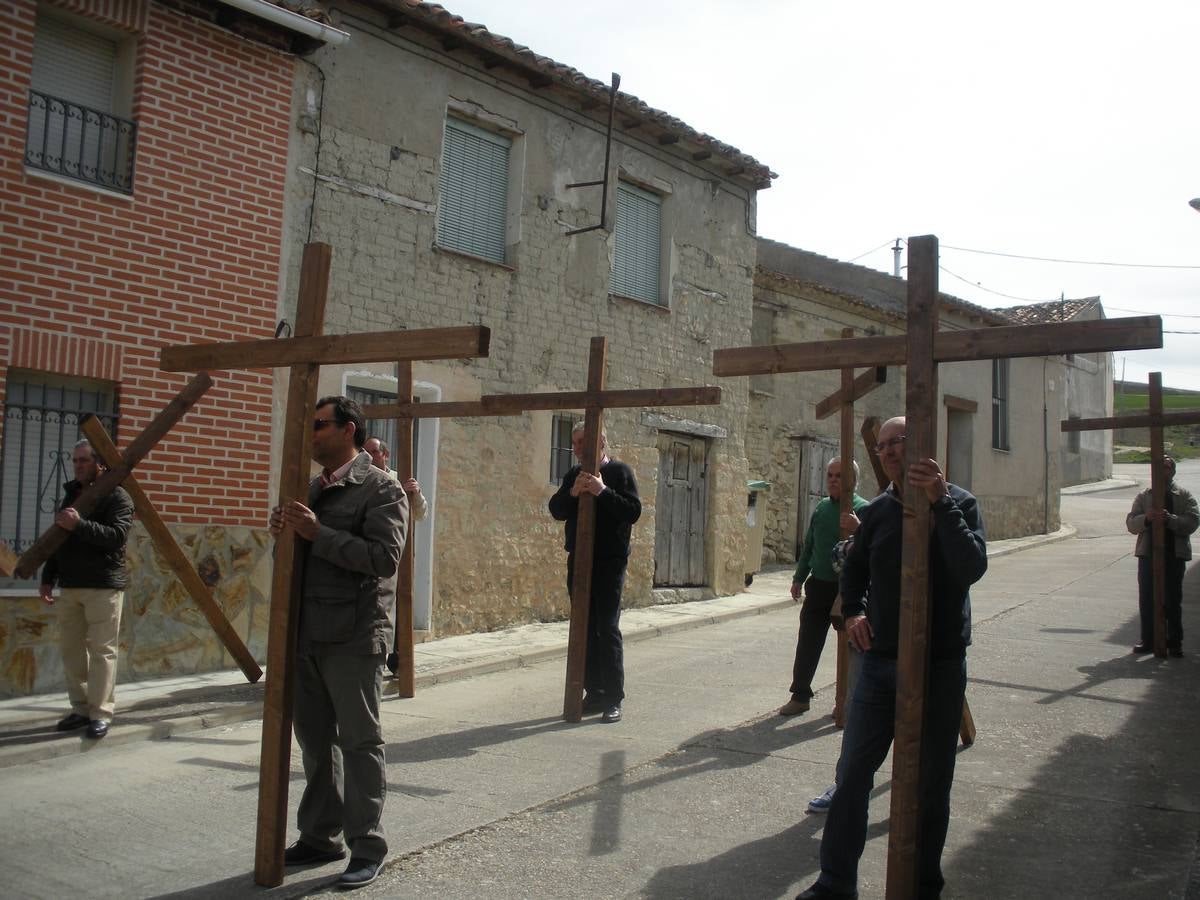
pixel 89 569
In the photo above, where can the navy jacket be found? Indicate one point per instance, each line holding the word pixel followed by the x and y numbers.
pixel 617 508
pixel 957 559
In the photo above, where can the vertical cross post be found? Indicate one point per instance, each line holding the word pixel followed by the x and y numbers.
pixel 1158 530
pixel 585 539
pixel 402 644
pixel 286 580
pixel 845 505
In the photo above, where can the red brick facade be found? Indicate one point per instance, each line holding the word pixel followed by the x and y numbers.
pixel 93 284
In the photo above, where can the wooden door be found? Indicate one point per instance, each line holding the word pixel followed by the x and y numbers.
pixel 681 511
pixel 815 456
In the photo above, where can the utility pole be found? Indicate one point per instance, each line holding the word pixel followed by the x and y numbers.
pixel 896 259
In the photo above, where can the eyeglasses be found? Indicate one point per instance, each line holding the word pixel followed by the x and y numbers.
pixel 894 442
pixel 318 424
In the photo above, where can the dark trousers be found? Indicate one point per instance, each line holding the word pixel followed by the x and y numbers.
pixel 336 718
pixel 1172 599
pixel 814 627
pixel 870 725
pixel 604 672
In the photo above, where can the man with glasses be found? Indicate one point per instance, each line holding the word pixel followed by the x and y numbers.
pixel 957 559
pixel 89 569
pixel 381 457
pixel 352 533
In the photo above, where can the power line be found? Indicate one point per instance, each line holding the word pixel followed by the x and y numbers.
pixel 1076 262
pixel 976 284
pixel 869 252
pixel 1141 312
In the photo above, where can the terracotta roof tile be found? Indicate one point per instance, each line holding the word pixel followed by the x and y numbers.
pixel 1051 311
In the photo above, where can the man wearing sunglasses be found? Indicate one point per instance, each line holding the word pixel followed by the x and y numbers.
pixel 957 559
pixel 352 534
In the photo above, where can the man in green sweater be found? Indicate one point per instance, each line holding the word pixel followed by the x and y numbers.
pixel 814 570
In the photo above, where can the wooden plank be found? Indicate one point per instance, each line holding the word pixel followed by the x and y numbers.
pixel 1000 342
pixel 845 505
pixel 53 537
pixel 913 650
pixel 402 644
pixel 1135 420
pixel 8 561
pixel 173 553
pixel 966 731
pixel 697 510
pixel 463 342
pixel 1158 529
pixel 516 404
pixel 585 536
pixel 275 765
pixel 860 387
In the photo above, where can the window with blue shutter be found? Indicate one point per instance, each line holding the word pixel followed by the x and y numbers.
pixel 637 244
pixel 473 191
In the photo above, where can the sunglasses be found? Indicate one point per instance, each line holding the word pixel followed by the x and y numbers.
pixel 318 424
pixel 894 442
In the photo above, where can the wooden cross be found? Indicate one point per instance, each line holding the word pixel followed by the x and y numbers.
pixel 594 401
pixel 1156 419
pixel 843 399
pixel 921 348
pixel 304 354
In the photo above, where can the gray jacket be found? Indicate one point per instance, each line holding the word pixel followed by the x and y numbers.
pixel 1180 523
pixel 350 568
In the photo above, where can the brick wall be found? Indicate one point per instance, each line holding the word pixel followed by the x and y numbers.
pixel 94 284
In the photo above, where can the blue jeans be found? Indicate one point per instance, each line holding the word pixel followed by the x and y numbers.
pixel 870 724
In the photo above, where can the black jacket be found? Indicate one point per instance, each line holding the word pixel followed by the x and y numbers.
pixel 617 508
pixel 93 555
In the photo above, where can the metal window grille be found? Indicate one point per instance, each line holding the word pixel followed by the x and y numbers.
pixel 561 457
pixel 41 427
pixel 472 215
pixel 1000 404
pixel 384 429
pixel 637 244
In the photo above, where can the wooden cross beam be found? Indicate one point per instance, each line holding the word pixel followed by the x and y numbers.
pixel 304 353
pixel 402 639
pixel 1155 420
pixel 172 552
pixel 593 401
pixel 921 348
pixel 54 536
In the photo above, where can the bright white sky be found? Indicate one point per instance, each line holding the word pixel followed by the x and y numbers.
pixel 1061 129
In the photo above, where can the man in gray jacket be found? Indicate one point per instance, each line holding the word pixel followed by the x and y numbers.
pixel 352 535
pixel 1180 518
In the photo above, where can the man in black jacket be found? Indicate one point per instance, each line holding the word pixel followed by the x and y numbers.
pixel 617 508
pixel 89 569
pixel 957 559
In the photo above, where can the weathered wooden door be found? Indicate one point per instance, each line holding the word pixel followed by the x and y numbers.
pixel 815 456
pixel 681 511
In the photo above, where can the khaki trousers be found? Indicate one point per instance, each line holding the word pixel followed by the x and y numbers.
pixel 89 620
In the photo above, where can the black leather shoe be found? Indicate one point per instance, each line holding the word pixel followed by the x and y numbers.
pixel 1141 649
pixel 360 872
pixel 612 714
pixel 1176 652
pixel 97 728
pixel 71 722
pixel 819 892
pixel 301 854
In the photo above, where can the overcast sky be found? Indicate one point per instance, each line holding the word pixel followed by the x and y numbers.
pixel 1066 130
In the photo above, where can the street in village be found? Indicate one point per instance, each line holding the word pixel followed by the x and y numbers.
pixel 1084 781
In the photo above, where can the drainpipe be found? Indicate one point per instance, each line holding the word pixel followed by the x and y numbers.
pixel 1045 450
pixel 262 9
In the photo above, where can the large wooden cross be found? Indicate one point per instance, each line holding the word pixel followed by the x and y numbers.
pixel 304 354
pixel 921 349
pixel 843 399
pixel 120 472
pixel 593 401
pixel 1155 420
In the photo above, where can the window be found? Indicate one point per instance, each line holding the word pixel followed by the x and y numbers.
pixel 561 457
pixel 472 212
pixel 384 429
pixel 41 427
pixel 1000 404
pixel 637 244
pixel 77 89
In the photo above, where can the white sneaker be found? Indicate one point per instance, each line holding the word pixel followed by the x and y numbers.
pixel 821 804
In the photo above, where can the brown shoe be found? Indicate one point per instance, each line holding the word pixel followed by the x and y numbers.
pixel 794 707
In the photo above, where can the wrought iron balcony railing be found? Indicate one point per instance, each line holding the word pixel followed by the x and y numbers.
pixel 79 142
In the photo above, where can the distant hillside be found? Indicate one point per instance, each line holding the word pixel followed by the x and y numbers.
pixel 1134 387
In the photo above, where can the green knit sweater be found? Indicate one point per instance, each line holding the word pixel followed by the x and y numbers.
pixel 823 532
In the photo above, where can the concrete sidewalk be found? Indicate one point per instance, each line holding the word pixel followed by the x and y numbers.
pixel 161 708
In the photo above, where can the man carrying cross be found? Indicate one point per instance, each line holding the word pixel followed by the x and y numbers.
pixel 958 558
pixel 618 506
pixel 1181 517
pixel 353 530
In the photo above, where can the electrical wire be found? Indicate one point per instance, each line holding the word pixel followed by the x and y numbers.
pixel 975 284
pixel 1075 262
pixel 1141 312
pixel 872 250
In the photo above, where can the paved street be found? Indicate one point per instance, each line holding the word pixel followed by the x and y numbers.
pixel 1084 782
